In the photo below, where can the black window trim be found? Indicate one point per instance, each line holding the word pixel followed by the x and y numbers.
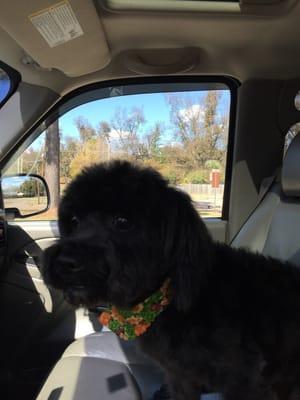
pixel 15 79
pixel 54 113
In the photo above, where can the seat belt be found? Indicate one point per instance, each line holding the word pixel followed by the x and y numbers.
pixel 266 185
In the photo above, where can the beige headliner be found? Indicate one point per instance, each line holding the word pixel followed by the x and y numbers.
pixel 136 43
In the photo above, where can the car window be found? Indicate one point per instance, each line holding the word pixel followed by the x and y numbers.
pixel 4 85
pixel 9 80
pixel 182 133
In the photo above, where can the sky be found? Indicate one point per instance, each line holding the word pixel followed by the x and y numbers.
pixel 154 106
pixel 4 85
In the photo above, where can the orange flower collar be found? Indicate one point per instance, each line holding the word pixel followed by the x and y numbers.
pixel 131 323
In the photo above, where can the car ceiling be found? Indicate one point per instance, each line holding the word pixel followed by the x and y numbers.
pixel 260 39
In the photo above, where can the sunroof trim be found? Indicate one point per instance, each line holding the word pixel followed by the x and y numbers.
pixel 202 6
pixel 264 8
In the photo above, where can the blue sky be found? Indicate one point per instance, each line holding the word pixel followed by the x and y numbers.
pixel 4 86
pixel 154 106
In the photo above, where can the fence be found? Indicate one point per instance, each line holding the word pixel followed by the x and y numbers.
pixel 204 189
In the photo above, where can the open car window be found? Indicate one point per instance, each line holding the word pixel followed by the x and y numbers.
pixel 179 128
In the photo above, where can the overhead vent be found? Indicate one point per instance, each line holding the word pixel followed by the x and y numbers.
pixel 254 7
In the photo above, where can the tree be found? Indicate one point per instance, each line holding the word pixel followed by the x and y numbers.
pixel 186 116
pixel 215 126
pixel 212 164
pixel 127 137
pixel 104 130
pixel 199 129
pixel 52 162
pixel 126 126
pixel 91 152
pixel 68 151
pixel 32 188
pixel 85 129
pixel 152 140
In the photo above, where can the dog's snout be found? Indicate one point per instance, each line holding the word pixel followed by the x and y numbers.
pixel 62 260
pixel 70 264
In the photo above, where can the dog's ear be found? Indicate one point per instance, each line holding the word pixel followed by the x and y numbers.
pixel 188 246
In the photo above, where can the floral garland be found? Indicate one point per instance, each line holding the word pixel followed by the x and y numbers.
pixel 131 323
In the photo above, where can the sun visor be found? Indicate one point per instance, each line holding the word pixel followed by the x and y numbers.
pixel 58 34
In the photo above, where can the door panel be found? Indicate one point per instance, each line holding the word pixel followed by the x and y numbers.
pixel 217 228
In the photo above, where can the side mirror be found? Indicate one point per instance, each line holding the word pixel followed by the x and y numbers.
pixel 24 195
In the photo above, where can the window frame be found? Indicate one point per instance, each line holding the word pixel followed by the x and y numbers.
pixel 15 79
pixel 56 112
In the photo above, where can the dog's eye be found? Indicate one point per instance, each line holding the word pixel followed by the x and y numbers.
pixel 74 222
pixel 122 223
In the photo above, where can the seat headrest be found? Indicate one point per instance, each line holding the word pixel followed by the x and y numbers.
pixel 290 174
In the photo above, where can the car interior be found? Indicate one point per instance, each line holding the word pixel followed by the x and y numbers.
pixel 59 57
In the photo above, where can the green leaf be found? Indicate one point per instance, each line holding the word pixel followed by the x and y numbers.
pixel 114 325
pixel 129 331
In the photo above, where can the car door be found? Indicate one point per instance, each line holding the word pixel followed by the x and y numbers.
pixel 159 122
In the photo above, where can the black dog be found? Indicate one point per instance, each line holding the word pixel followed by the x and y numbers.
pixel 233 323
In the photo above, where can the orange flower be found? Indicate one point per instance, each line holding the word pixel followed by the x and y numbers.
pixel 104 318
pixel 115 313
pixel 134 320
pixel 140 329
pixel 137 308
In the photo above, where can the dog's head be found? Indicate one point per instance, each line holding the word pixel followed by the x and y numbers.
pixel 124 230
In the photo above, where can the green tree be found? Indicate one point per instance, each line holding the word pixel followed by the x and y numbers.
pixel 152 140
pixel 32 188
pixel 212 164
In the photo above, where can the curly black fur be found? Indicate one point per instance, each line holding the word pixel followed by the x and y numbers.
pixel 234 323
